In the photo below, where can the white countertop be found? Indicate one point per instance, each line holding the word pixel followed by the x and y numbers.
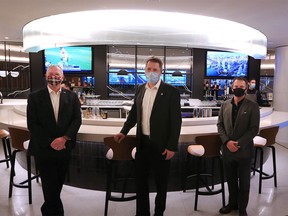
pixel 13 112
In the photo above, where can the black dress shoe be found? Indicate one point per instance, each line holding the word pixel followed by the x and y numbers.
pixel 227 209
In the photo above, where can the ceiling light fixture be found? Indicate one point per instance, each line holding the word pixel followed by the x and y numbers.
pixel 131 27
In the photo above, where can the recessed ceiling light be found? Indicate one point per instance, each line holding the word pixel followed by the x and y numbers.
pixel 6 38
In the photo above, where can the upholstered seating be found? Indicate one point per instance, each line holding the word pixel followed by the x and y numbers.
pixel 268 135
pixel 120 155
pixel 18 137
pixel 206 147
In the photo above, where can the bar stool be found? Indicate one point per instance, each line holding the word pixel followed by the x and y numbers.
pixel 206 147
pixel 4 136
pixel 270 135
pixel 18 137
pixel 120 155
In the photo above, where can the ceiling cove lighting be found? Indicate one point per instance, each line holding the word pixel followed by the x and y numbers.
pixel 141 27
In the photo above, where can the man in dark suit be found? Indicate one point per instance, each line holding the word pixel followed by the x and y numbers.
pixel 238 124
pixel 157 112
pixel 53 118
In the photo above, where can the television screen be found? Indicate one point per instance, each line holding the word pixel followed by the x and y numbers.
pixel 115 79
pixel 175 80
pixel 71 59
pixel 89 80
pixel 141 78
pixel 226 64
pixel 115 70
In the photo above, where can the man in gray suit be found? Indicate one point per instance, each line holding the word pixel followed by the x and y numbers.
pixel 157 112
pixel 238 124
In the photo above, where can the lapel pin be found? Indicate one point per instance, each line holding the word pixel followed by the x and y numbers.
pixel 161 93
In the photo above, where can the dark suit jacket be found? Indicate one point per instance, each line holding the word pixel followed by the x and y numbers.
pixel 245 129
pixel 42 124
pixel 165 120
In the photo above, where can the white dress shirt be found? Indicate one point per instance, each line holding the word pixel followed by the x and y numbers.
pixel 147 105
pixel 55 100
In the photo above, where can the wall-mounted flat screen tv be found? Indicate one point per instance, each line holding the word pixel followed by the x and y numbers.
pixel 226 64
pixel 175 80
pixel 73 60
pixel 115 79
pixel 141 78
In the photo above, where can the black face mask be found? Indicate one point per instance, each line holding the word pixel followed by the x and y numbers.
pixel 239 92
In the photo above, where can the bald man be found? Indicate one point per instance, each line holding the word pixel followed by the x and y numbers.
pixel 53 118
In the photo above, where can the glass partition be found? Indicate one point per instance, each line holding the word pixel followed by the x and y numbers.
pixel 14 70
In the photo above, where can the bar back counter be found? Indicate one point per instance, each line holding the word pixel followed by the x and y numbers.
pixel 88 165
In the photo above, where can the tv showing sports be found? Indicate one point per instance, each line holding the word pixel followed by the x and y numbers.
pixel 115 79
pixel 226 64
pixel 72 59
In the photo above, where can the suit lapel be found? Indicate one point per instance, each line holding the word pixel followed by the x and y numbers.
pixel 158 97
pixel 229 114
pixel 140 99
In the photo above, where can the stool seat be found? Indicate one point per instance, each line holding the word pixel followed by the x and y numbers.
pixel 266 139
pixel 207 148
pixel 259 141
pixel 26 144
pixel 4 136
pixel 110 153
pixel 196 150
pixel 20 141
pixel 117 155
pixel 3 133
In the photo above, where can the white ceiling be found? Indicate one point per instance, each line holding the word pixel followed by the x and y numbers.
pixel 267 16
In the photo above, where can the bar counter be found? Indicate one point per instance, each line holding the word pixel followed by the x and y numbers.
pixel 13 112
pixel 88 166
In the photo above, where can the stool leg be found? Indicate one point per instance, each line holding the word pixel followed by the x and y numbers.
pixel 28 158
pixel 261 170
pixel 4 143
pixel 12 173
pixel 255 161
pixel 186 173
pixel 197 182
pixel 8 149
pixel 274 165
pixel 108 187
pixel 213 172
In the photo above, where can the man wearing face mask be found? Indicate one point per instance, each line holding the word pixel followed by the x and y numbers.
pixel 157 112
pixel 238 124
pixel 252 93
pixel 53 119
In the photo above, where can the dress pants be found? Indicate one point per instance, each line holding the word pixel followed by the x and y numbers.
pixel 150 160
pixel 53 168
pixel 238 168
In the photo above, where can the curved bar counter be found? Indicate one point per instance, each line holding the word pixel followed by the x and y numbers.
pixel 88 166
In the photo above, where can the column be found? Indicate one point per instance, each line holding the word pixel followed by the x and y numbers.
pixel 280 89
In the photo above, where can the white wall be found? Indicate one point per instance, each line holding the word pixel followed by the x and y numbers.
pixel 280 89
